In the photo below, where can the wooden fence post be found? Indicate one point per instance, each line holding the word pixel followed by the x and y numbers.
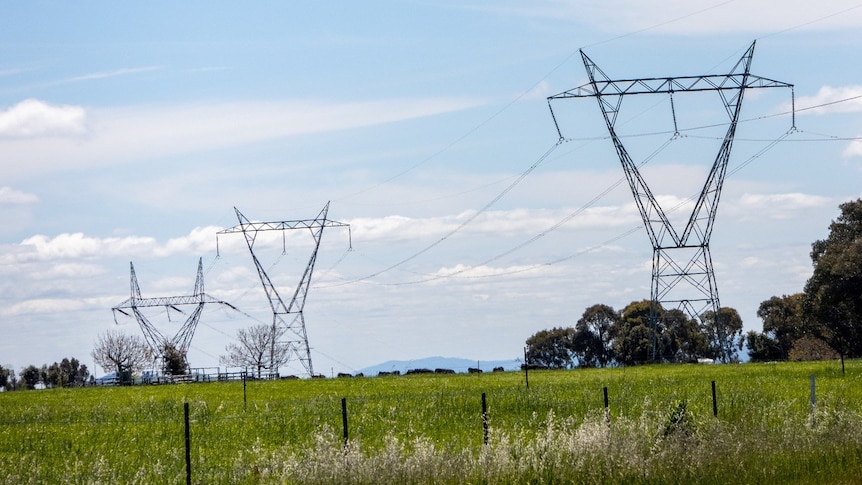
pixel 714 401
pixel 188 445
pixel 607 407
pixel 344 418
pixel 813 397
pixel 484 420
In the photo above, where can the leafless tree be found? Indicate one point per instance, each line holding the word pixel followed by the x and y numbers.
pixel 121 352
pixel 258 347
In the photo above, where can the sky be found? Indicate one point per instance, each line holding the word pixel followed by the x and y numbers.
pixel 130 132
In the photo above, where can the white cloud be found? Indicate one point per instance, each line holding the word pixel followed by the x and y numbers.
pixel 34 118
pixel 509 222
pixel 68 271
pixel 53 305
pixel 832 100
pixel 854 149
pixel 9 195
pixel 482 271
pixel 829 99
pixel 78 245
pixel 540 91
pixel 780 206
pixel 132 133
pixel 199 240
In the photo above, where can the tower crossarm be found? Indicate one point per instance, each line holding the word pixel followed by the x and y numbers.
pixel 310 224
pixel 730 87
pixel 682 272
pixel 296 325
pixel 170 301
pixel 158 341
pixel 667 85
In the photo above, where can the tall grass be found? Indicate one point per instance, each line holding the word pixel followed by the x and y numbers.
pixel 428 429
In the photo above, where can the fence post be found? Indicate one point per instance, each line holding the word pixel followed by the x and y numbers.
pixel 714 401
pixel 344 418
pixel 484 420
pixel 244 396
pixel 813 393
pixel 607 407
pixel 188 445
pixel 526 368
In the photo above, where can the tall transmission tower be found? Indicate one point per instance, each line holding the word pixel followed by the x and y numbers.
pixel 160 343
pixel 287 319
pixel 682 270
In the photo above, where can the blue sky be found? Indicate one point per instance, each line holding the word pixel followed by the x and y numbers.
pixel 129 133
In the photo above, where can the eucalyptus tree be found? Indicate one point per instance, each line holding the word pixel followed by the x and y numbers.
pixel 833 294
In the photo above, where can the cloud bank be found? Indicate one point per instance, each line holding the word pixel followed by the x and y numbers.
pixel 33 118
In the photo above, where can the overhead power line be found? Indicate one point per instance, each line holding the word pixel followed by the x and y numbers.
pixel 771 143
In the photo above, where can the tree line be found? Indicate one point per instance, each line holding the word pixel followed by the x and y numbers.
pixel 643 332
pixel 69 372
pixel 824 321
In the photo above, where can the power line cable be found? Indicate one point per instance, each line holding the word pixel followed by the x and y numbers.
pixel 523 94
pixel 771 144
pixel 805 24
pixel 552 228
pixel 603 244
pixel 470 219
pixel 660 24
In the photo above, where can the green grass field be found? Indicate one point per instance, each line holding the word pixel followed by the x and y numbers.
pixel 429 429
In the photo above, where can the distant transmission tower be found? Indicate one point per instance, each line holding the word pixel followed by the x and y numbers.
pixel 287 320
pixel 157 341
pixel 682 272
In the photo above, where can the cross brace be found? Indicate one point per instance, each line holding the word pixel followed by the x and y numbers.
pixel 294 329
pixel 692 240
pixel 156 340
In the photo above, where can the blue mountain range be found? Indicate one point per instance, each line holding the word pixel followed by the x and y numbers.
pixel 455 364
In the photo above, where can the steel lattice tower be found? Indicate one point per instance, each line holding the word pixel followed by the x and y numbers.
pixel 287 319
pixel 156 340
pixel 682 270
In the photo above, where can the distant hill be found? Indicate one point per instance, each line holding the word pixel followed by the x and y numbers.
pixel 458 365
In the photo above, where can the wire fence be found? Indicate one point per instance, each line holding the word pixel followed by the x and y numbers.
pixel 209 424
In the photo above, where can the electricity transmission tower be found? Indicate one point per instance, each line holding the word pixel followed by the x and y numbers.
pixel 682 271
pixel 161 344
pixel 287 319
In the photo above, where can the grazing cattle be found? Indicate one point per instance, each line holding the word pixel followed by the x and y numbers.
pixel 420 371
pixel 444 371
pixel 473 370
pixel 393 373
pixel 499 369
pixel 342 374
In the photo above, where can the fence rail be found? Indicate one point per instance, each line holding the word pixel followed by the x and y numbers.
pixel 213 374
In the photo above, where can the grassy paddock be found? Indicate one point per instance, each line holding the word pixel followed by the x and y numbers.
pixel 428 429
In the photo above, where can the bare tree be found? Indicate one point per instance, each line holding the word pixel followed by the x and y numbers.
pixel 259 348
pixel 122 353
